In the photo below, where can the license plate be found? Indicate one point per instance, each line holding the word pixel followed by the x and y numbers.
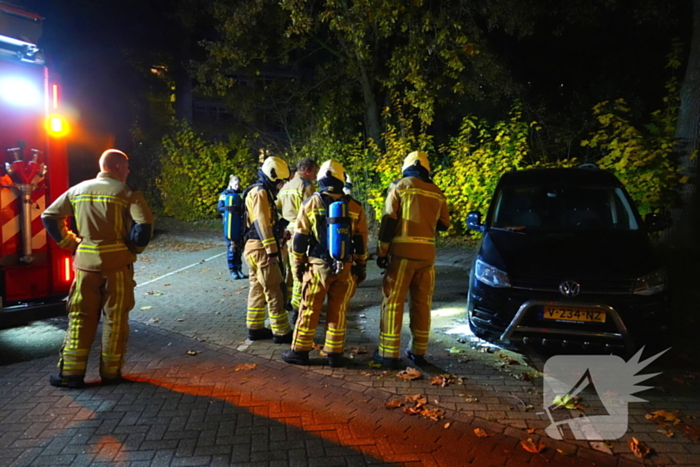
pixel 573 314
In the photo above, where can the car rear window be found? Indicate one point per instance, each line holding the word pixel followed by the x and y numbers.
pixel 564 208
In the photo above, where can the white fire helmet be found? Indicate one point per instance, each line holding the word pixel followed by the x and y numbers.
pixel 333 169
pixel 276 169
pixel 420 157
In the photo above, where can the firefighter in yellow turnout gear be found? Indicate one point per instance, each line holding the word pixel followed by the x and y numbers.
pixel 114 224
pixel 415 208
pixel 289 200
pixel 321 275
pixel 262 253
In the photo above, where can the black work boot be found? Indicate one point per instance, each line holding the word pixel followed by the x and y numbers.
pixel 385 362
pixel 336 360
pixel 259 334
pixel 295 316
pixel 417 359
pixel 71 382
pixel 284 339
pixel 294 357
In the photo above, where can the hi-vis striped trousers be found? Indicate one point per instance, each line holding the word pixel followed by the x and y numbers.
pixel 403 275
pixel 93 293
pixel 266 284
pixel 319 282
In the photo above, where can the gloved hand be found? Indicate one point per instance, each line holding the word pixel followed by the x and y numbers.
pixel 272 260
pixel 299 270
pixel 383 262
pixel 359 271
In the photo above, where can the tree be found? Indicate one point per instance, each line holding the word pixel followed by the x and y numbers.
pixel 686 219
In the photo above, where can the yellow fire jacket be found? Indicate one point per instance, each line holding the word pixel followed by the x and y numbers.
pixel 310 230
pixel 104 209
pixel 261 218
pixel 292 194
pixel 413 211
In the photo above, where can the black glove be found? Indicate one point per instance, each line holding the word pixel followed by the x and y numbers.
pixel 359 271
pixel 299 270
pixel 383 262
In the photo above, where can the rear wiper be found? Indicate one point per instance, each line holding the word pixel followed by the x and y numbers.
pixel 511 228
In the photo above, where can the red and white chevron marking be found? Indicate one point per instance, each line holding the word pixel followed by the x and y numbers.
pixel 10 216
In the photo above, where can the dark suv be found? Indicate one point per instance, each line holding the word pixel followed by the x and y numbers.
pixel 565 260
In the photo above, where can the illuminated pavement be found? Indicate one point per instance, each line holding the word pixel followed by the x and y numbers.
pixel 204 409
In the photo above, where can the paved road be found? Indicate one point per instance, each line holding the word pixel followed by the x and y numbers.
pixel 234 402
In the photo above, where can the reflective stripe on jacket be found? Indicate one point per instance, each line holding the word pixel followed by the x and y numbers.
pixel 292 194
pixel 412 211
pixel 307 229
pixel 260 215
pixel 104 209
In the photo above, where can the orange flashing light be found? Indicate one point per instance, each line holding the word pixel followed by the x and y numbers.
pixel 54 89
pixel 57 126
pixel 67 269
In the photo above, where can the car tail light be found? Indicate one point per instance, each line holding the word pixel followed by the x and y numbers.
pixel 66 265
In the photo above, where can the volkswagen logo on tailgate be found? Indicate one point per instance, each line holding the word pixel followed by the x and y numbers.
pixel 570 288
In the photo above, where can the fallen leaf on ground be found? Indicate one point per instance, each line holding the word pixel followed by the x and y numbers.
pixel 316 346
pixel 471 399
pixel 409 410
pixel 433 414
pixel 530 446
pixel 166 285
pixel 667 416
pixel 179 319
pixel 524 377
pixel 481 433
pixel 392 404
pixel 358 351
pixel 204 270
pixel 409 374
pixel 638 448
pixel 418 399
pixel 442 380
pixel 153 320
pixel 154 293
pixel 144 308
pixel 666 432
pixel 564 453
pixel 245 366
pixel 447 425
pixel 530 430
pixel 455 350
pixel 243 287
pixel 375 364
pixel 192 352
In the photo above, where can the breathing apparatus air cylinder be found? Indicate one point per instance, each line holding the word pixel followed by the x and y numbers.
pixel 233 217
pixel 338 232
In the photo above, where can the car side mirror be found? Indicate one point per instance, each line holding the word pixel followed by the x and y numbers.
pixel 474 221
pixel 655 222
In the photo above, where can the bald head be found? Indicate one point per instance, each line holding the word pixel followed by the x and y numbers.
pixel 115 162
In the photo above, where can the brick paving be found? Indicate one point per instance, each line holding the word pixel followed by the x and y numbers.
pixel 201 409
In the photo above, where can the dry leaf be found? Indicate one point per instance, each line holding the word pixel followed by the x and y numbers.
pixel 638 448
pixel 481 433
pixel 525 377
pixel 245 366
pixel 316 346
pixel 358 351
pixel 166 285
pixel 192 352
pixel 409 410
pixel 666 432
pixel 530 430
pixel 374 364
pixel 144 308
pixel 179 319
pixel 153 320
pixel 667 416
pixel 442 380
pixel 529 446
pixel 410 374
pixel 244 287
pixel 433 414
pixel 564 453
pixel 447 425
pixel 472 399
pixel 392 404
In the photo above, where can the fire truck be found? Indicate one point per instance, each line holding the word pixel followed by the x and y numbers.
pixel 35 274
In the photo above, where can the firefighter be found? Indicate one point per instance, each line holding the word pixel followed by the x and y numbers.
pixel 114 223
pixel 231 216
pixel 415 208
pixel 322 275
pixel 262 253
pixel 292 194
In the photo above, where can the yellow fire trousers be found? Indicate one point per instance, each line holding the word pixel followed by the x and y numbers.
pixel 266 284
pixel 403 275
pixel 93 293
pixel 292 283
pixel 318 283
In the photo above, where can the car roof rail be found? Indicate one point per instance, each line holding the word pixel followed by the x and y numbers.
pixel 588 165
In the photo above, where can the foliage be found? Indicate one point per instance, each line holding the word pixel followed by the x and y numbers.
pixel 477 157
pixel 642 158
pixel 195 171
